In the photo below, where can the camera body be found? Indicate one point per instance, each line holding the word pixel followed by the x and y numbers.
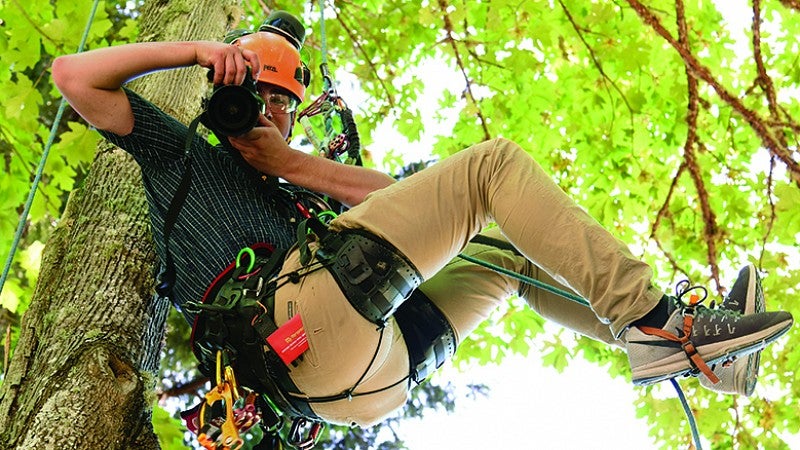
pixel 233 110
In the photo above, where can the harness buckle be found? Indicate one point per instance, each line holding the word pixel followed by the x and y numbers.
pixel 256 292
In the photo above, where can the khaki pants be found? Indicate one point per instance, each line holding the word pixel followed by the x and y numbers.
pixel 467 293
pixel 430 218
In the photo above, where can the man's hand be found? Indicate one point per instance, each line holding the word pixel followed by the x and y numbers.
pixel 230 62
pixel 265 148
pixel 91 81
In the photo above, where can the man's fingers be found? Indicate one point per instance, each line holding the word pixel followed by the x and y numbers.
pixel 231 69
pixel 252 59
pixel 264 122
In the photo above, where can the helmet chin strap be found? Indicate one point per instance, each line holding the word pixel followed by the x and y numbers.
pixel 291 126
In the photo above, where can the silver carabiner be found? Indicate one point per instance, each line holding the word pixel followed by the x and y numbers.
pixel 307 442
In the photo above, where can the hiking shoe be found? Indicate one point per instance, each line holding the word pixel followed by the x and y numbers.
pixel 696 337
pixel 740 376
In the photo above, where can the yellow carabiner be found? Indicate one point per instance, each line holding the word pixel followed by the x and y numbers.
pixel 230 378
pixel 219 380
pixel 229 437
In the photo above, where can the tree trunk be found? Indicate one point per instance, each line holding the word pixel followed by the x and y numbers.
pixel 83 372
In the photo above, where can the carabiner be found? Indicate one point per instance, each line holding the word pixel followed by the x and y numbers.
pixel 296 438
pixel 252 254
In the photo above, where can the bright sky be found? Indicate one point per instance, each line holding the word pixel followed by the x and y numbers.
pixel 531 407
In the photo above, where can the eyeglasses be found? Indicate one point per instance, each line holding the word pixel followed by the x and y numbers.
pixel 276 102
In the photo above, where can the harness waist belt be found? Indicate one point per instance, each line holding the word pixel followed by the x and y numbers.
pixel 376 279
pixel 372 274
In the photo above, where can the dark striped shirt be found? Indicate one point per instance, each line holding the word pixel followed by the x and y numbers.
pixel 227 207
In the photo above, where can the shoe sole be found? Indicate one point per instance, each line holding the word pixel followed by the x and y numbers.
pixel 678 364
pixel 753 360
pixel 742 372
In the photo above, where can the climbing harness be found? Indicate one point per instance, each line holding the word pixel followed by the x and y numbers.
pixel 370 272
pixel 23 218
pixel 233 330
pixel 379 283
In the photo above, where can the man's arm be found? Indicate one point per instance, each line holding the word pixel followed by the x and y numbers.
pixel 92 81
pixel 265 149
pixel 345 183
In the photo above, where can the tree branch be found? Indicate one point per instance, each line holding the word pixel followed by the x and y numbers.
pixel 767 85
pixel 709 218
pixel 596 62
pixel 772 212
pixel 360 49
pixel 448 27
pixel 764 80
pixel 702 72
pixel 187 388
pixel 664 212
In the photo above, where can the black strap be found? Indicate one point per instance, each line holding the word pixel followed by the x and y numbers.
pixel 166 279
pixel 354 149
pixel 429 337
pixel 494 242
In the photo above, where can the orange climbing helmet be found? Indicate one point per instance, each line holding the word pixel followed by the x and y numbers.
pixel 277 43
pixel 280 61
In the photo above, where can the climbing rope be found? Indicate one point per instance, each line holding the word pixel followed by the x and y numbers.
pixel 526 279
pixel 323 36
pixel 689 416
pixel 53 129
pixel 582 301
pixel 339 135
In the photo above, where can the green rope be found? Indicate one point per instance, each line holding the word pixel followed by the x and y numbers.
pixel 323 38
pixel 525 279
pixel 580 300
pixel 24 216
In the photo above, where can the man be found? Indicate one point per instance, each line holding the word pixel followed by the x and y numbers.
pixel 355 367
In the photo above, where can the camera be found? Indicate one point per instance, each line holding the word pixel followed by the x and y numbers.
pixel 233 110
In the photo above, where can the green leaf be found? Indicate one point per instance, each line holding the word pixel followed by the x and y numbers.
pixel 77 146
pixel 168 429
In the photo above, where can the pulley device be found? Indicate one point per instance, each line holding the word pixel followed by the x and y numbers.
pixel 338 136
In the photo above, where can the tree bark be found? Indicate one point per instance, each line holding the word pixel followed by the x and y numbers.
pixel 83 372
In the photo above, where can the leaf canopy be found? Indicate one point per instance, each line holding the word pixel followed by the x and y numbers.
pixel 674 123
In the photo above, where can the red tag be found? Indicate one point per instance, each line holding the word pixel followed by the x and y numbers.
pixel 290 340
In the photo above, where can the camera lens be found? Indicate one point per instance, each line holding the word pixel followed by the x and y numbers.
pixel 232 110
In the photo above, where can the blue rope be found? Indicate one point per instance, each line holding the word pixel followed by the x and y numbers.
pixel 323 38
pixel 689 415
pixel 24 216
